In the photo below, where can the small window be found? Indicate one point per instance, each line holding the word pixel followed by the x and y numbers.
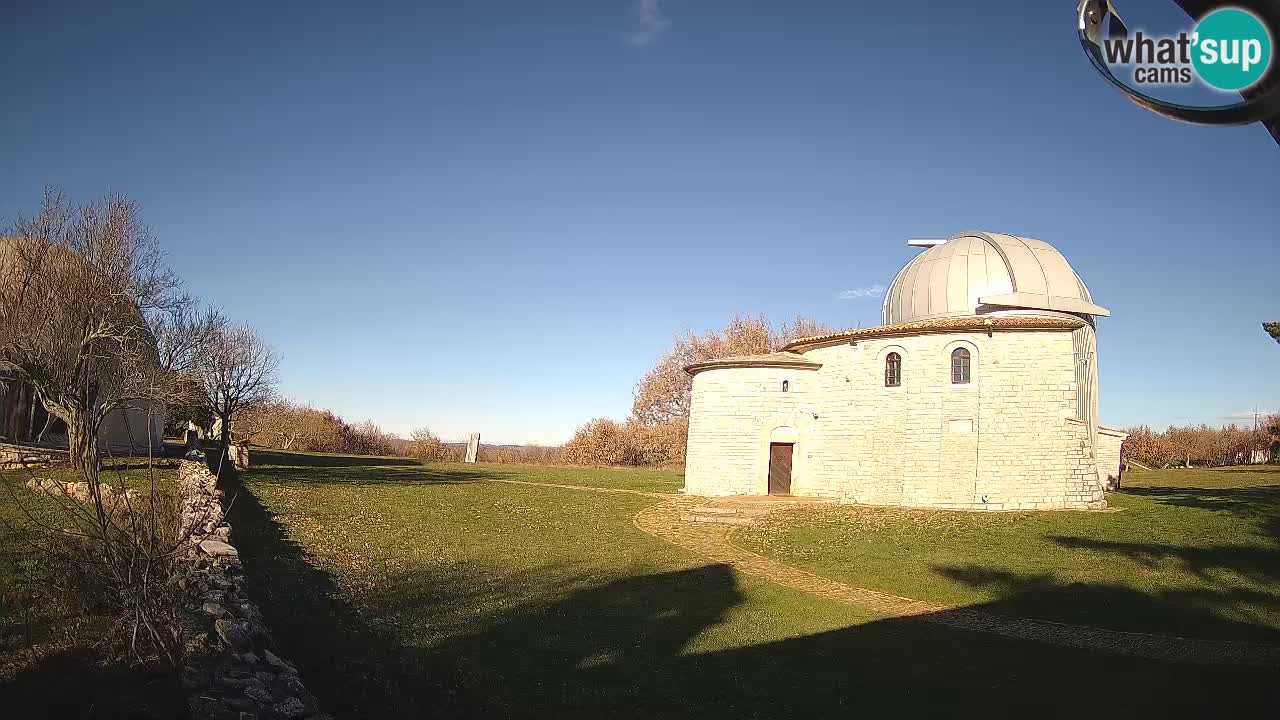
pixel 892 370
pixel 786 386
pixel 959 366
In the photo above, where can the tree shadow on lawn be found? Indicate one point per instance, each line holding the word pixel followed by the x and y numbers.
pixel 1201 612
pixel 76 684
pixel 617 647
pixel 292 459
pixel 392 474
pixel 1261 504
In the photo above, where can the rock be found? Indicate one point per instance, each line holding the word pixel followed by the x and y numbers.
pixel 290 708
pixel 193 680
pixel 193 643
pixel 236 633
pixel 291 686
pixel 259 695
pixel 217 548
pixel 274 661
pixel 214 609
pixel 250 658
pixel 207 708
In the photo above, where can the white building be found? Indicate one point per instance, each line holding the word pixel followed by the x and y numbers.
pixel 979 391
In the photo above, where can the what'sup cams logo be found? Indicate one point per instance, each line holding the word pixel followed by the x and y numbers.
pixel 1230 49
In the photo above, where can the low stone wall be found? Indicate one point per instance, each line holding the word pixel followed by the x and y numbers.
pixel 231 673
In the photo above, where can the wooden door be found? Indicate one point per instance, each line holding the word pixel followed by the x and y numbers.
pixel 780 468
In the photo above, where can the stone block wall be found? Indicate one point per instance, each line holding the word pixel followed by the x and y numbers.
pixel 1004 441
pixel 733 413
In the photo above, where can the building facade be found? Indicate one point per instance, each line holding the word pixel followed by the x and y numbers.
pixel 979 391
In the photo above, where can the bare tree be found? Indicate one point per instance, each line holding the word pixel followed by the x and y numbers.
pixel 81 292
pixel 84 294
pixel 663 394
pixel 235 372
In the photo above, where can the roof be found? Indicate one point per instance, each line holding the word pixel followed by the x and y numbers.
pixel 772 360
pixel 990 324
pixel 977 273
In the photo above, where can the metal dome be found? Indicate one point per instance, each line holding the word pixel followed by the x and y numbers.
pixel 979 273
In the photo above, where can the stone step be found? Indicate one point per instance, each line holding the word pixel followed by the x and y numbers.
pixel 745 510
pixel 717 519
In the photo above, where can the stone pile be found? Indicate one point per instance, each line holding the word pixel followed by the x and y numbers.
pixel 78 491
pixel 231 673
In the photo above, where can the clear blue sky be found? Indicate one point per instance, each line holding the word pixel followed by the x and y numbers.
pixel 492 216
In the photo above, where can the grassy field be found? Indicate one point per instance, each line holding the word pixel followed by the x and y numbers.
pixel 405 590
pixel 1187 552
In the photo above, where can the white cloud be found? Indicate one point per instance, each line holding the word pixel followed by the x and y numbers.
pixel 652 23
pixel 859 293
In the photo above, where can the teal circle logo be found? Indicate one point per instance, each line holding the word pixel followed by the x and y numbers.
pixel 1232 49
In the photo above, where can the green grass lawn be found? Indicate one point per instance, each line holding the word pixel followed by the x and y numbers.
pixel 1188 552
pixel 405 590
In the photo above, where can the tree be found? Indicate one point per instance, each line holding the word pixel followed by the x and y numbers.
pixel 82 293
pixel 800 327
pixel 234 372
pixel 84 305
pixel 1273 329
pixel 664 392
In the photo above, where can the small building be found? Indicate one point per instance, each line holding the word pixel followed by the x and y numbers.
pixel 979 391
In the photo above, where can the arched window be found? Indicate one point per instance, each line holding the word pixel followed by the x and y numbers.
pixel 786 386
pixel 892 370
pixel 959 366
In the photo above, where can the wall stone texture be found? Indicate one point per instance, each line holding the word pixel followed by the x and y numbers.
pixel 1004 441
pixel 232 672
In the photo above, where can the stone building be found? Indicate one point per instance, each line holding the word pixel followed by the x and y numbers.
pixel 979 391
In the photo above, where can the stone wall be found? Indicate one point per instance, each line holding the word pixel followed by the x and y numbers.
pixel 232 672
pixel 1110 441
pixel 1003 441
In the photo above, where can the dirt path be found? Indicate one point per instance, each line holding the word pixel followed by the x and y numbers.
pixel 663 520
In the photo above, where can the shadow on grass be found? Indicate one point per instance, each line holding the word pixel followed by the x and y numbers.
pixel 618 648
pixel 271 457
pixel 78 685
pixel 348 470
pixel 1202 611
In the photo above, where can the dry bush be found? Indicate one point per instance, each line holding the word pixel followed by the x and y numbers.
pixel 601 441
pixel 425 446
pixel 659 444
pixel 121 564
pixel 286 425
pixel 519 454
pixel 368 438
pixel 1204 446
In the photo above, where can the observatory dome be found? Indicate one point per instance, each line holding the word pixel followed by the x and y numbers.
pixel 980 273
